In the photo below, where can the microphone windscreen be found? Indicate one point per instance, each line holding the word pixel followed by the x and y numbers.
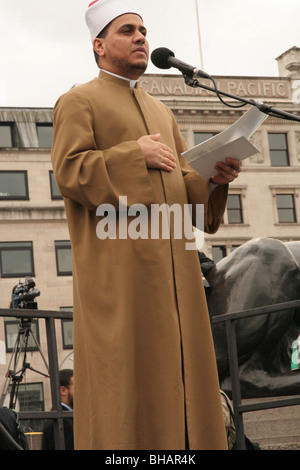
pixel 159 57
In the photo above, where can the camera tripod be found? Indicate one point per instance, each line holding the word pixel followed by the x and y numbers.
pixel 14 376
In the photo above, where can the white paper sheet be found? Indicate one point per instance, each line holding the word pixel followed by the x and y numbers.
pixel 232 142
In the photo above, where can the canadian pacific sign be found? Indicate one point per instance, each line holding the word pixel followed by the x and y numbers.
pixel 164 86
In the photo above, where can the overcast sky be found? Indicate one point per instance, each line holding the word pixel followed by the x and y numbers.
pixel 45 45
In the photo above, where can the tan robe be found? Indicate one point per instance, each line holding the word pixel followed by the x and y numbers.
pixel 144 365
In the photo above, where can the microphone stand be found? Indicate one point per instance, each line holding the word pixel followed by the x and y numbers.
pixel 269 110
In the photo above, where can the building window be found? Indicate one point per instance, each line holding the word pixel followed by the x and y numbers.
pixel 13 185
pixel 67 333
pixel 234 209
pixel 55 194
pixel 278 150
pixel 45 135
pixel 6 135
pixel 63 253
pixel 67 329
pixel 16 259
pixel 218 252
pixel 200 137
pixel 30 397
pixel 16 333
pixel 286 208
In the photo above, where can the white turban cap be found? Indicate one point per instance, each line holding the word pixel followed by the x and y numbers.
pixel 101 12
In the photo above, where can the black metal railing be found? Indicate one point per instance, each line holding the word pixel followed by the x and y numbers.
pixel 58 415
pixel 238 407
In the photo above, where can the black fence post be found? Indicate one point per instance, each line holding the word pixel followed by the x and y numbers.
pixel 235 384
pixel 58 427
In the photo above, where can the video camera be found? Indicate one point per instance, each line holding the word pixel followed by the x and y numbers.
pixel 23 295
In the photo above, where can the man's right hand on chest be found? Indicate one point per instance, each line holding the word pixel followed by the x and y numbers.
pixel 156 154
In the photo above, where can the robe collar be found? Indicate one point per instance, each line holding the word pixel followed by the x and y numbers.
pixel 132 83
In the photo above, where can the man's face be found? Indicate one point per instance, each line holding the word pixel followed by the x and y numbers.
pixel 125 50
pixel 67 393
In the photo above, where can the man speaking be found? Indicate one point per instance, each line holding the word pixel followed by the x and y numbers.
pixel 145 374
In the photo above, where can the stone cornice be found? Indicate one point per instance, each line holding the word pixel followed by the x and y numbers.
pixel 31 213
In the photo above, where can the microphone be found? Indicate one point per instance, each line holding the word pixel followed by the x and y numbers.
pixel 163 58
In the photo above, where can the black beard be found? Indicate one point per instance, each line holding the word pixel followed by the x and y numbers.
pixel 126 68
pixel 137 67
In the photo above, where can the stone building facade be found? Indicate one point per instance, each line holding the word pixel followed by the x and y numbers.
pixel 34 241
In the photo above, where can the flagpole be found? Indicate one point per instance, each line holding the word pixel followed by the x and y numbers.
pixel 199 36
